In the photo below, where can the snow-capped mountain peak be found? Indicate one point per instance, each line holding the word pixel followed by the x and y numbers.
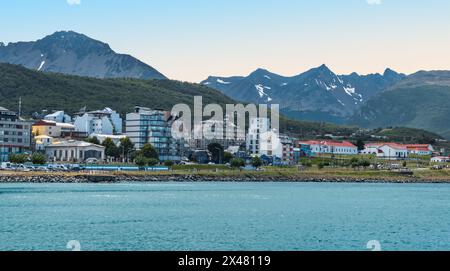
pixel 318 93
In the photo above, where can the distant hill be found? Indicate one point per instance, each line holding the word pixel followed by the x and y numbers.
pixel 75 54
pixel 407 135
pixel 420 101
pixel 317 95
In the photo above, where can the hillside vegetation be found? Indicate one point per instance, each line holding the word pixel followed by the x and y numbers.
pixel 70 93
pixel 424 107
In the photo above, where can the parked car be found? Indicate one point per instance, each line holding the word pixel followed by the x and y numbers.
pixel 32 168
pixel 75 167
pixel 6 166
pixel 22 168
pixel 58 167
pixel 92 161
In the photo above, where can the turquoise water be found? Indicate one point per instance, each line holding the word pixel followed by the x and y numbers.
pixel 224 216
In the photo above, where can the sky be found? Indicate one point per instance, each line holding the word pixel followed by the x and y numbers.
pixel 189 40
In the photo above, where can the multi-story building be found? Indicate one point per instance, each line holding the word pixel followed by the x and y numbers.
pixel 15 134
pixel 287 144
pixel 256 128
pixel 262 140
pixel 224 133
pixel 104 122
pixel 155 127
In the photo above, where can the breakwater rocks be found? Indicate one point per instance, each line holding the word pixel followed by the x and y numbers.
pixel 199 178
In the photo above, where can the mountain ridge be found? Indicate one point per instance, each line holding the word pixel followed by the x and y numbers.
pixel 72 53
pixel 317 94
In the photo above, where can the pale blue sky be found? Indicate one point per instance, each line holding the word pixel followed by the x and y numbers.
pixel 191 39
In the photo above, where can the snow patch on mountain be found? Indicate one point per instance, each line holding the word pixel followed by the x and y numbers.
pixel 41 66
pixel 220 81
pixel 350 90
pixel 262 92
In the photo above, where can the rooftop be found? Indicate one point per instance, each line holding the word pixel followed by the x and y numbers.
pixel 74 143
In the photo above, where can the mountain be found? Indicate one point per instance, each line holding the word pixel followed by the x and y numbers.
pixel 75 54
pixel 318 94
pixel 421 100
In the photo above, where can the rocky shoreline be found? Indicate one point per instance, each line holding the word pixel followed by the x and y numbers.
pixel 199 178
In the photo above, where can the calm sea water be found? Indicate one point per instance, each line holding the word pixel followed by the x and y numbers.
pixel 224 216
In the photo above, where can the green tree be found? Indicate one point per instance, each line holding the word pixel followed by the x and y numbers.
pixel 152 162
pixel 256 162
pixel 93 140
pixel 18 158
pixel 360 144
pixel 217 152
pixel 237 162
pixel 111 150
pixel 354 162
pixel 148 151
pixel 227 157
pixel 364 163
pixel 126 147
pixel 140 161
pixel 38 159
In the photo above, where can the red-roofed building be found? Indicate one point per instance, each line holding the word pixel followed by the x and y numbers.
pixel 330 147
pixel 420 149
pixel 396 150
pixel 386 150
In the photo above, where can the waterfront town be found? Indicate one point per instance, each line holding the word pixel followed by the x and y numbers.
pixel 103 137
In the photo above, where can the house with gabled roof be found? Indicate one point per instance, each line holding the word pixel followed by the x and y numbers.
pixel 386 150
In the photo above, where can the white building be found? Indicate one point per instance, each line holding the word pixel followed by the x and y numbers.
pixel 41 142
pixel 261 140
pixel 386 150
pixel 74 151
pixel 106 122
pixel 330 147
pixel 420 149
pixel 440 159
pixel 59 117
